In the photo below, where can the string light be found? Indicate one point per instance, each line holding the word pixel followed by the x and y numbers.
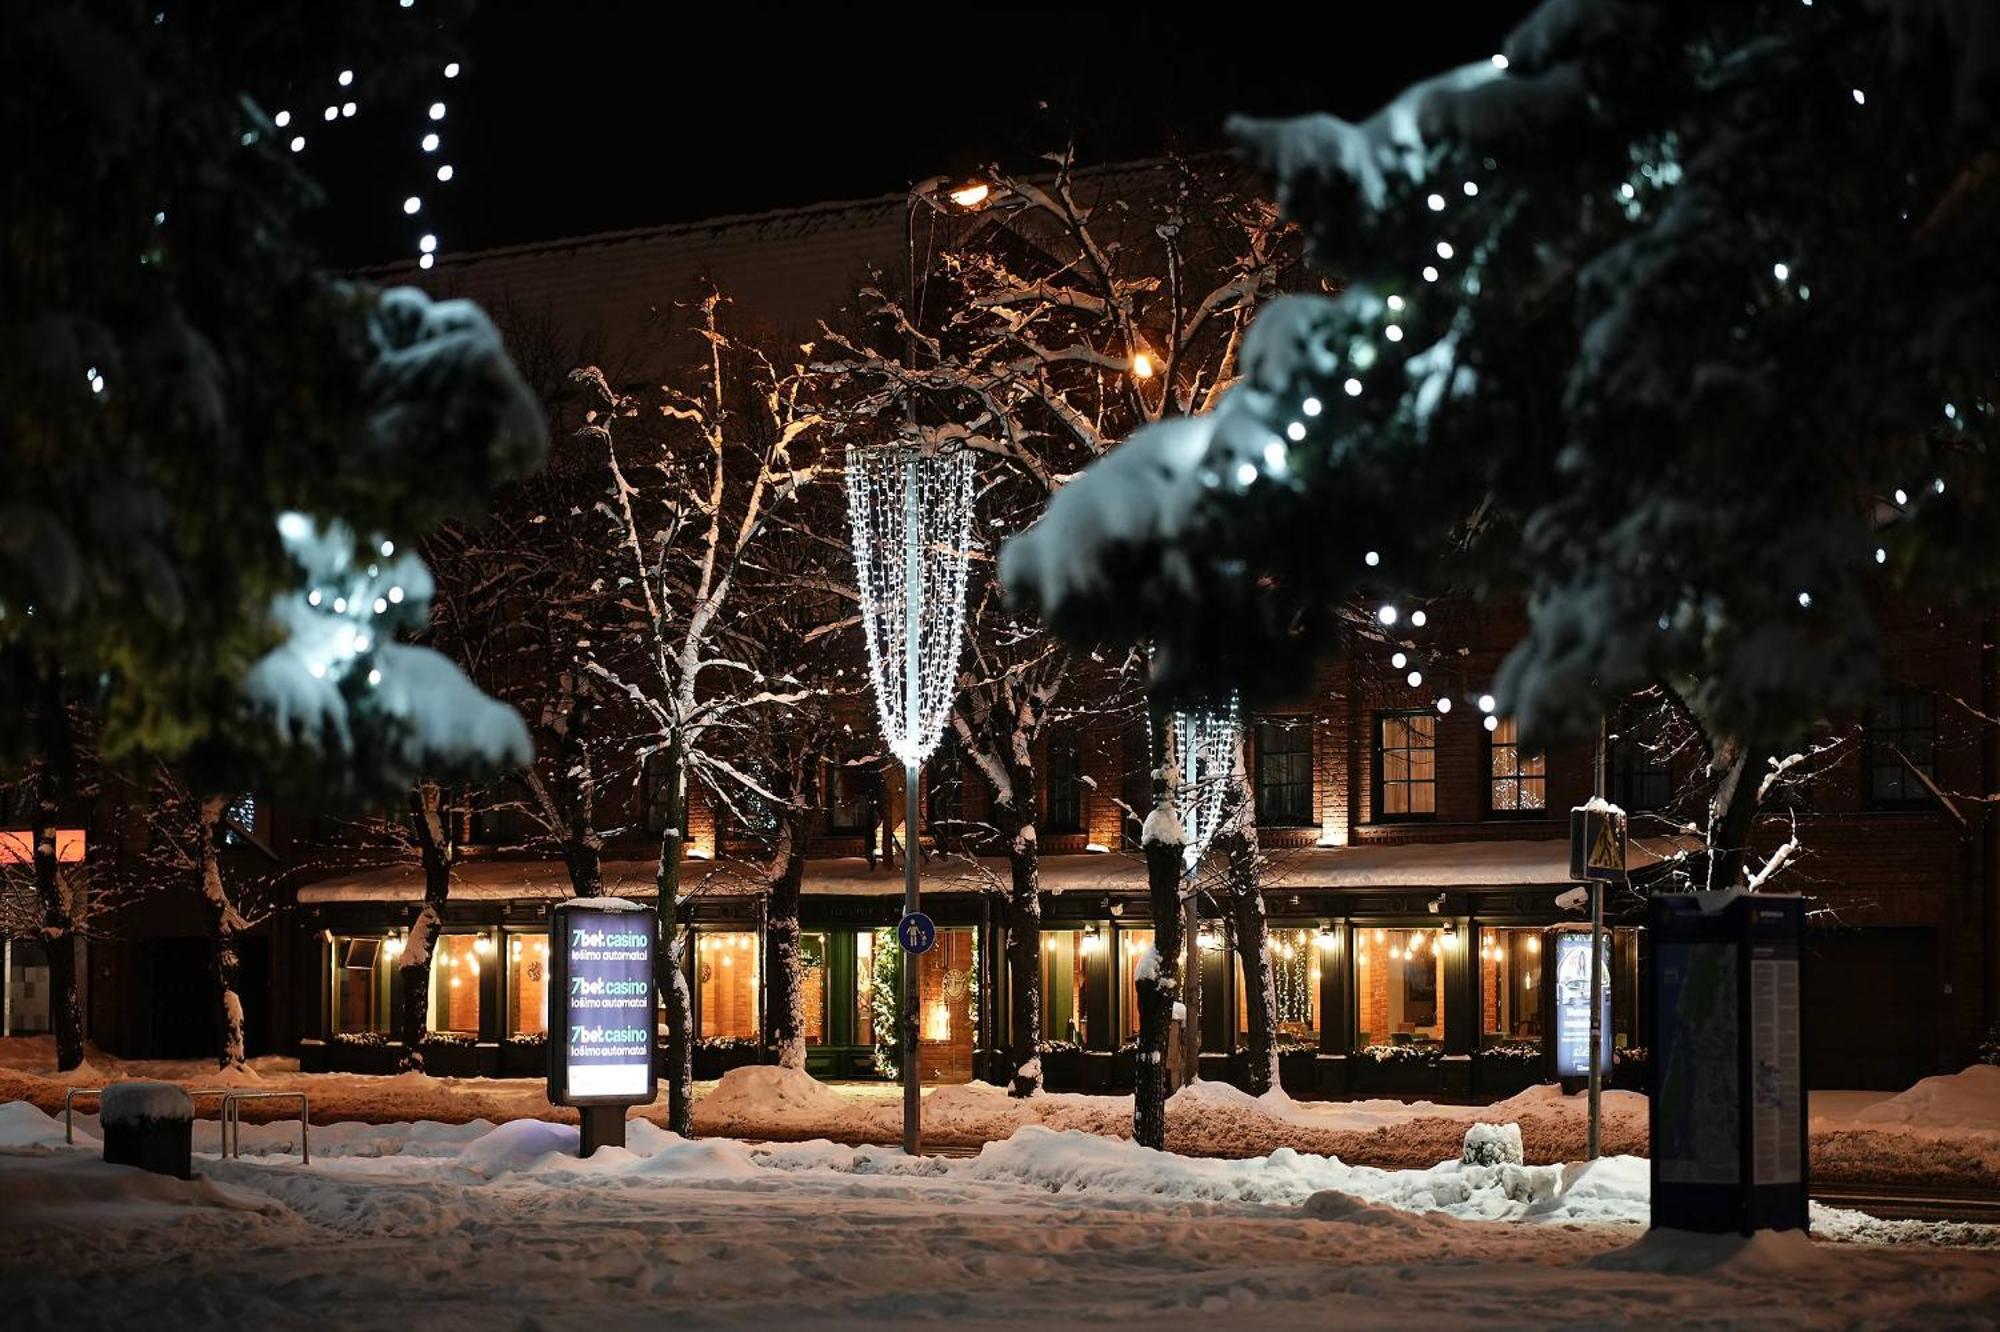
pixel 1491 723
pixel 1399 660
pixel 1372 558
pixel 909 513
pixel 437 111
pixel 1204 756
pixel 1419 619
pixel 430 143
pixel 1387 615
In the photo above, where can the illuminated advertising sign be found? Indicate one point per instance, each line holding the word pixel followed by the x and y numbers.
pixel 601 1003
pixel 1572 1004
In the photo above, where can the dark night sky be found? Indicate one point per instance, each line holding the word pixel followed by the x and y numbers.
pixel 570 119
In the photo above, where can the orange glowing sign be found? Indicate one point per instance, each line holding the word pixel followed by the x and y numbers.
pixel 17 846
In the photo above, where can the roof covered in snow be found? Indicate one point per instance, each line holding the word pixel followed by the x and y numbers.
pixel 1435 865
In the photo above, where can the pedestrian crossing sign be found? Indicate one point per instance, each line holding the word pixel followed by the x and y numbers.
pixel 1597 842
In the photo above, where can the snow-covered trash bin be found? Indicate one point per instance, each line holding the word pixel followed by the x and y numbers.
pixel 149 1125
pixel 1492 1144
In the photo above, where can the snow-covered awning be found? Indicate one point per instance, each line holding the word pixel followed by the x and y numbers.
pixel 1439 866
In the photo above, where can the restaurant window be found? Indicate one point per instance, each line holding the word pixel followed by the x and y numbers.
pixel 872 991
pixel 1405 765
pixel 1063 986
pixel 527 984
pixel 812 986
pixel 1516 783
pixel 1284 773
pixel 1510 977
pixel 1399 986
pixel 726 967
pixel 457 963
pixel 1902 743
pixel 362 967
pixel 1295 982
pixel 1133 945
pixel 1065 788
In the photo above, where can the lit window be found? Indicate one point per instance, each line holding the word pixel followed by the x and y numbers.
pixel 1516 783
pixel 456 968
pixel 362 968
pixel 1510 978
pixel 1064 968
pixel 1295 978
pixel 527 984
pixel 1405 765
pixel 727 966
pixel 1132 946
pixel 1399 986
pixel 812 986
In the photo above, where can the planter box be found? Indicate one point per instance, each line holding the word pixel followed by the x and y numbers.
pixel 1501 1078
pixel 710 1064
pixel 1298 1070
pixel 1064 1071
pixel 518 1060
pixel 451 1061
pixel 1636 1077
pixel 313 1056
pixel 343 1057
pixel 1373 1077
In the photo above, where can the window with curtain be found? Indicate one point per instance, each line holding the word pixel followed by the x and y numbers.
pixel 1405 765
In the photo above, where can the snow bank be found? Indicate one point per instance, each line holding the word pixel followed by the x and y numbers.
pixel 768 1091
pixel 517 1145
pixel 22 1125
pixel 1969 1099
pixel 74 1190
pixel 1493 1144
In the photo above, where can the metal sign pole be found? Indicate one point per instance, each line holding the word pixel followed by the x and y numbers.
pixel 1593 1133
pixel 913 583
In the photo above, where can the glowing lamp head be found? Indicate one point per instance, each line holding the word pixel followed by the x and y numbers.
pixel 971 195
pixel 1142 366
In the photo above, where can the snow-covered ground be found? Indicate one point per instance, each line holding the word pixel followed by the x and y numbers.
pixel 474 1224
pixel 1943 1131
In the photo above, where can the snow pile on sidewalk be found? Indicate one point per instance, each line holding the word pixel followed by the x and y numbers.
pixel 22 1125
pixel 1968 1099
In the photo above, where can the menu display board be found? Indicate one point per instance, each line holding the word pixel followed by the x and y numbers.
pixel 601 1003
pixel 1572 1003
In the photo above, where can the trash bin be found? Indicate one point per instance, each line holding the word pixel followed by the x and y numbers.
pixel 149 1125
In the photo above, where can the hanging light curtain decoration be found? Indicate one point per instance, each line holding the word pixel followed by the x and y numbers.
pixel 910 517
pixel 1205 754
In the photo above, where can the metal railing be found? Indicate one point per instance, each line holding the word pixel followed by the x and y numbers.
pixel 230 1115
pixel 232 1120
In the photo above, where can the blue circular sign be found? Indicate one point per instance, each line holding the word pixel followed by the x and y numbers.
pixel 916 933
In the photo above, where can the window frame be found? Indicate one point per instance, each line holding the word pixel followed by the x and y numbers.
pixel 1870 798
pixel 1291 727
pixel 1060 753
pixel 1377 813
pixel 837 775
pixel 1490 747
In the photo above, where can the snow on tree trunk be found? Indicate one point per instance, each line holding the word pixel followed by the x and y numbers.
pixel 1243 887
pixel 676 1003
pixel 58 924
pixel 1732 808
pixel 439 853
pixel 785 1021
pixel 1157 977
pixel 1024 963
pixel 224 925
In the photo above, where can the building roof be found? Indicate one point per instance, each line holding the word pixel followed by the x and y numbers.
pixel 1430 865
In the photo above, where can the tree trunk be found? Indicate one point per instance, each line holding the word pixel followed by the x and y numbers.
pixel 1242 861
pixel 58 920
pixel 1157 982
pixel 440 853
pixel 1024 962
pixel 224 925
pixel 1191 992
pixel 670 976
pixel 1732 809
pixel 785 1016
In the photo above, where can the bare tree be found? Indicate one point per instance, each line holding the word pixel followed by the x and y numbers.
pixel 1067 312
pixel 698 474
